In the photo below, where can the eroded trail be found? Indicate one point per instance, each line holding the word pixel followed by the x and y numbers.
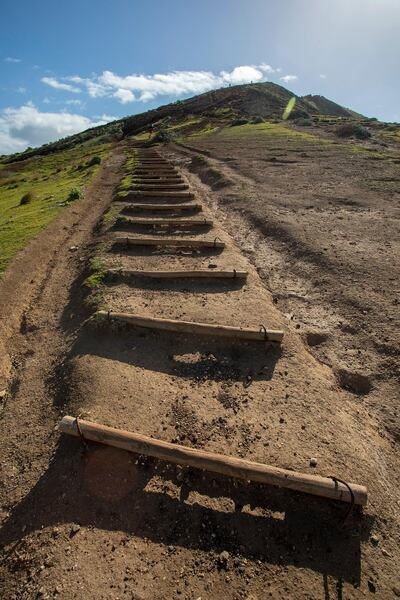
pixel 103 523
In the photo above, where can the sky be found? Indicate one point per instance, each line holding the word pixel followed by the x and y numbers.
pixel 67 66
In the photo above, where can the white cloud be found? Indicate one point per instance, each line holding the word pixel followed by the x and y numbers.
pixel 10 59
pixel 177 83
pixel 288 78
pixel 75 102
pixel 242 75
pixel 124 96
pixel 95 89
pixel 27 126
pixel 143 88
pixel 58 85
pixel 322 76
pixel 21 90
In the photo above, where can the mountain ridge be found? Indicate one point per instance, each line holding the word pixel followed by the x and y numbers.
pixel 221 107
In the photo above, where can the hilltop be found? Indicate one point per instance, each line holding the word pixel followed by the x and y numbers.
pixel 217 108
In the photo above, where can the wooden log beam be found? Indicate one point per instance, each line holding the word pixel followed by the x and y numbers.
pixel 154 172
pixel 168 187
pixel 167 222
pixel 173 242
pixel 161 193
pixel 157 172
pixel 236 333
pixel 156 207
pixel 151 179
pixel 196 274
pixel 230 466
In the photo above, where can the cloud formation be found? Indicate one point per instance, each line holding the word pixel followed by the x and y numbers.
pixel 288 78
pixel 58 85
pixel 27 126
pixel 11 59
pixel 144 88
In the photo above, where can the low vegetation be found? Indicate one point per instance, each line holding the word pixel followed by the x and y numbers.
pixel 34 191
pixel 348 130
pixel 26 199
pixel 95 298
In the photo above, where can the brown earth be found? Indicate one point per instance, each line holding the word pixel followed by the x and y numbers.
pixel 100 523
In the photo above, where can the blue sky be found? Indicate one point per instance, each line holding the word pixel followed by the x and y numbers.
pixel 65 66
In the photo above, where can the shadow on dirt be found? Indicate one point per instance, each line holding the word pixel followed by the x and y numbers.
pixel 181 355
pixel 111 490
pixel 120 247
pixel 193 285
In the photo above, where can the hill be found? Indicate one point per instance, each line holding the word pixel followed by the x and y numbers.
pixel 323 106
pixel 216 108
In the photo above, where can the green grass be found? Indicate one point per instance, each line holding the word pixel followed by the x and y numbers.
pixel 188 123
pixel 50 179
pixel 127 180
pixel 270 129
pixel 93 284
pixel 110 216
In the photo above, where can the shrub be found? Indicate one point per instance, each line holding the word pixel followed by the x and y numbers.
pixel 163 136
pixel 352 130
pixel 258 120
pixel 95 160
pixel 74 194
pixel 26 198
pixel 238 122
pixel 303 122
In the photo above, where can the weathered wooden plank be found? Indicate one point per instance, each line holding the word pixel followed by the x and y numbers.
pixel 216 463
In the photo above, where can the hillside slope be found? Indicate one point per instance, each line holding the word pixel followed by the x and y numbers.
pixel 323 106
pixel 267 100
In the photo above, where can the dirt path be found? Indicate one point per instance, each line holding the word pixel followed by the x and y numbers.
pixel 104 524
pixel 41 310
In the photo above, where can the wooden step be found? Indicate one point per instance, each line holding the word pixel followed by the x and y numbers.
pixel 167 222
pixel 156 207
pixel 154 168
pixel 150 179
pixel 151 173
pixel 160 194
pixel 237 333
pixel 231 466
pixel 173 242
pixel 168 187
pixel 196 274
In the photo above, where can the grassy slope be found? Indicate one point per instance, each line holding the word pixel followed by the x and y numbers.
pixel 50 179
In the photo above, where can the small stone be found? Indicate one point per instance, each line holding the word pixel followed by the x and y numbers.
pixel 73 248
pixel 371 586
pixel 374 540
pixel 223 559
pixel 74 529
pixel 385 552
pixel 281 420
pixel 313 462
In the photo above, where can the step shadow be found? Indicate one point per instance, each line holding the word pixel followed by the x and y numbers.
pixel 113 490
pixel 122 249
pixel 193 285
pixel 148 212
pixel 160 230
pixel 196 357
